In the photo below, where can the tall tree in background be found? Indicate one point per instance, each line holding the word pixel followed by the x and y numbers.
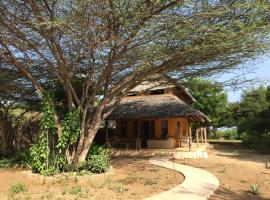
pixel 253 117
pixel 111 46
pixel 211 99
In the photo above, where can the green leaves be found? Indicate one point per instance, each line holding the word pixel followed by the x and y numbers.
pixel 70 130
pixel 211 99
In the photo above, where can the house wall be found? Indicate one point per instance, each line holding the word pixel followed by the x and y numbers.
pixel 172 126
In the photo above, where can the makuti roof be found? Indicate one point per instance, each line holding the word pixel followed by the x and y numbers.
pixel 155 106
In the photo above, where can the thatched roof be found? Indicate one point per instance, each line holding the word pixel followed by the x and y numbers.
pixel 159 85
pixel 155 106
pixel 154 85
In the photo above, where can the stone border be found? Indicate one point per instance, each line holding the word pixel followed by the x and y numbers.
pixel 198 184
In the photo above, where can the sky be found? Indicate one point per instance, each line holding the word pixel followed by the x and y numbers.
pixel 259 71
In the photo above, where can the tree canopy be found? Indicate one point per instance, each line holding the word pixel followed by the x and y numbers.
pixel 211 99
pixel 253 115
pixel 111 46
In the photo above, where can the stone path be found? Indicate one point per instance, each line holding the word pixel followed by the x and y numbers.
pixel 198 184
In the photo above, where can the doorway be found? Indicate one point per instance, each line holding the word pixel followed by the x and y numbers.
pixel 147 131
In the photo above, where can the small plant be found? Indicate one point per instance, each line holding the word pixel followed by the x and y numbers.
pixel 222 171
pixel 243 181
pixel 150 182
pixel 18 188
pixel 76 179
pixel 121 189
pixel 153 169
pixel 76 190
pixel 134 177
pixel 255 189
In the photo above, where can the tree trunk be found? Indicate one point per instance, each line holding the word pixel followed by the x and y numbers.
pixel 86 140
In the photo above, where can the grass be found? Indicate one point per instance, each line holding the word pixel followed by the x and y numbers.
pixel 224 141
pixel 134 177
pixel 150 182
pixel 76 190
pixel 18 188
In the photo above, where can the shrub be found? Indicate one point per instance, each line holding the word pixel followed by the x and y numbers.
pixel 98 159
pixel 98 150
pixel 5 163
pixel 23 158
pixel 96 163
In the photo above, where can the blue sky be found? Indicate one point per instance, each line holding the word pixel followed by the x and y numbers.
pixel 259 70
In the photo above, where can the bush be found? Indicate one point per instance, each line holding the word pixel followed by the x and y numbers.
pixel 23 158
pixel 5 163
pixel 229 134
pixel 98 159
pixel 96 163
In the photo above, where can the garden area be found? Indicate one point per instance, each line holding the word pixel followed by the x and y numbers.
pixel 128 178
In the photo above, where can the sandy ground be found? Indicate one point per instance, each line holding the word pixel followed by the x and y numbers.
pixel 237 168
pixel 130 178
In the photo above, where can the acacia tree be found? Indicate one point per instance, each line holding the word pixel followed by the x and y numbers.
pixel 14 90
pixel 114 45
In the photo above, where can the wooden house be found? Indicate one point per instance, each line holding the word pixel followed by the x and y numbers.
pixel 156 115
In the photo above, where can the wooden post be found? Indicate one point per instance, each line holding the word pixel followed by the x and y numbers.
pixel 205 135
pixel 197 137
pixel 106 132
pixel 190 138
pixel 201 132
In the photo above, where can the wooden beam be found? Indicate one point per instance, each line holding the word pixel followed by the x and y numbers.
pixel 201 132
pixel 205 135
pixel 197 137
pixel 190 137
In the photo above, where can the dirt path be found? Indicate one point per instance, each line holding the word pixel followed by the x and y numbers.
pixel 237 168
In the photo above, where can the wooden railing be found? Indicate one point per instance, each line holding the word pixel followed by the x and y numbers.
pixel 127 142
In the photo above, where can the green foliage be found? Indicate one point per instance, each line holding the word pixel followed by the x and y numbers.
pixel 96 163
pixel 5 163
pixel 40 152
pixel 211 99
pixel 23 158
pixel 70 130
pixel 76 190
pixel 230 134
pixel 98 150
pixel 98 159
pixel 255 189
pixel 252 117
pixel 18 188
